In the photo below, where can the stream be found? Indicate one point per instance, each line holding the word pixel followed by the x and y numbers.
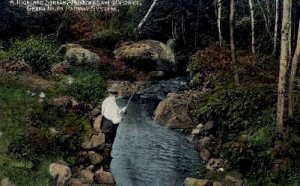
pixel 146 153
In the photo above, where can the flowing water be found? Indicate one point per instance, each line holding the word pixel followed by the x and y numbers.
pixel 147 154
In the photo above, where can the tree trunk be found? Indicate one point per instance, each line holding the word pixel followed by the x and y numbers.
pixel 276 27
pixel 252 27
pixel 267 24
pixel 219 21
pixel 232 42
pixel 293 75
pixel 284 60
pixel 140 25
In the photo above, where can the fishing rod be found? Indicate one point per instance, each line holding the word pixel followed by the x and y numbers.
pixel 129 100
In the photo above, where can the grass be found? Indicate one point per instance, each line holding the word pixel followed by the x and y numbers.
pixel 15 104
pixel 16 109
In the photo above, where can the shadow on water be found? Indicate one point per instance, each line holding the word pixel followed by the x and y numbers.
pixel 147 154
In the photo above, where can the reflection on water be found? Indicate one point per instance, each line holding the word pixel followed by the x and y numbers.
pixel 147 154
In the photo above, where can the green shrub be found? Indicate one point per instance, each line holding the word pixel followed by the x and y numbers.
pixel 37 142
pixel 236 109
pixel 38 52
pixel 88 86
pixel 107 38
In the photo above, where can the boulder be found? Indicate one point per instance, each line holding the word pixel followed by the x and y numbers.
pixel 60 172
pixel 86 176
pixel 147 55
pixel 77 55
pixel 61 68
pixel 196 182
pixel 173 112
pixel 94 157
pixel 103 177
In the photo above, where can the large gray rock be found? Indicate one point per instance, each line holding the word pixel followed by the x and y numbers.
pixel 76 54
pixel 60 172
pixel 147 55
pixel 173 112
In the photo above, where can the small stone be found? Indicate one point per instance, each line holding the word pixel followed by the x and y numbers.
pixel 221 169
pixel 214 164
pixel 62 172
pixel 200 126
pixel 70 80
pixel 53 131
pixel 74 182
pixel 195 131
pixel 103 177
pixel 86 176
pixel 87 145
pixel 204 143
pixel 196 182
pixel 42 95
pixel 94 157
pixel 97 140
pixel 74 103
pixel 205 154
pixel 97 123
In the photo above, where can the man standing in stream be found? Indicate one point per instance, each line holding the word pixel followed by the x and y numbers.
pixel 112 117
pixel 112 113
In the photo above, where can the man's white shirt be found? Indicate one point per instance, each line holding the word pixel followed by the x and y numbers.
pixel 111 111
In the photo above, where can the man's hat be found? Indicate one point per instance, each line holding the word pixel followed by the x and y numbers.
pixel 113 89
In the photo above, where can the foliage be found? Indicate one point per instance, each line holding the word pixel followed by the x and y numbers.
pixel 107 38
pixel 37 140
pixel 27 146
pixel 38 52
pixel 212 61
pixel 244 120
pixel 237 109
pixel 88 86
